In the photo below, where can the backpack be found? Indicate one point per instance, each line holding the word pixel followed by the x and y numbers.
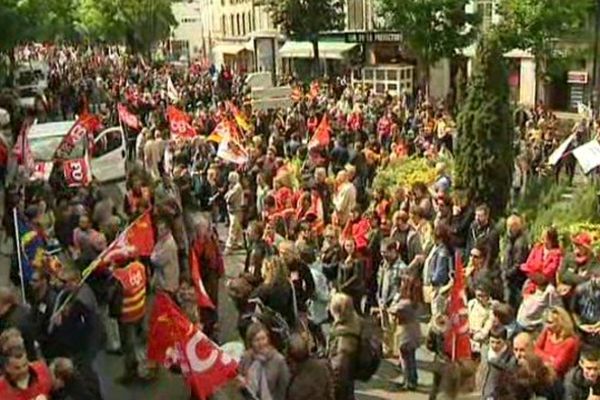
pixel 370 353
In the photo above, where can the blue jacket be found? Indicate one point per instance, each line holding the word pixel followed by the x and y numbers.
pixel 441 265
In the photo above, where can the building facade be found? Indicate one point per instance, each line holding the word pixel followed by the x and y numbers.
pixel 186 38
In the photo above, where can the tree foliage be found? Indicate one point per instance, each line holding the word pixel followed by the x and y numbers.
pixel 536 25
pixel 484 153
pixel 432 29
pixel 140 23
pixel 304 19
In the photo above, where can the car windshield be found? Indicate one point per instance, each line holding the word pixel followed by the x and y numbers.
pixel 43 148
pixel 29 77
pixel 28 92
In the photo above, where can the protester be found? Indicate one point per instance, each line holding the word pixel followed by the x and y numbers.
pixel 264 370
pixel 298 192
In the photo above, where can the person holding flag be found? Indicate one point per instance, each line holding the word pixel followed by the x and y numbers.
pixel 127 302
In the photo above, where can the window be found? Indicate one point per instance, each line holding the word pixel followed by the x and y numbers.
pixel 485 8
pixel 224 25
pixel 231 19
pixel 111 141
pixel 244 24
pixel 237 20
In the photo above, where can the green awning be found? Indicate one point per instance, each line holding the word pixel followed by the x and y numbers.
pixel 328 50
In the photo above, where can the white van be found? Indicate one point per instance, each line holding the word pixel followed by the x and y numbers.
pixel 108 158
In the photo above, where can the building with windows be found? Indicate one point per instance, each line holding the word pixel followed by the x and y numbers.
pixel 244 36
pixel 186 38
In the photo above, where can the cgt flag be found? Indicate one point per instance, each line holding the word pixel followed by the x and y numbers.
pixel 128 118
pixel 179 123
pixel 174 340
pixel 239 118
pixel 136 240
pixel 322 135
pixel 86 126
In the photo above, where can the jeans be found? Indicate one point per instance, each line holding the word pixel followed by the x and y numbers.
pixel 408 359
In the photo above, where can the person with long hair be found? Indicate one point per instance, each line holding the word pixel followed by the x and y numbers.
pixel 558 345
pixel 545 258
pixel 438 270
pixel 263 370
pixel 275 291
pixel 344 341
pixel 350 278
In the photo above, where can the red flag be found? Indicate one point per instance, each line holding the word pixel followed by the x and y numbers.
pixel 128 118
pixel 86 126
pixel 136 240
pixel 179 123
pixel 173 339
pixel 315 89
pixel 204 300
pixel 77 172
pixel 322 134
pixel 205 366
pixel 456 340
pixel 168 326
pixel 21 148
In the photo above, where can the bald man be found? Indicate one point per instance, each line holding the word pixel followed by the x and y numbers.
pixel 516 251
pixel 522 347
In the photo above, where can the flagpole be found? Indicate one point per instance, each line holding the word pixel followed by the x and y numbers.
pixel 91 268
pixel 19 255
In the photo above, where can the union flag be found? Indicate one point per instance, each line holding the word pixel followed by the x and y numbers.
pixel 179 123
pixel 456 339
pixel 322 135
pixel 204 300
pixel 136 240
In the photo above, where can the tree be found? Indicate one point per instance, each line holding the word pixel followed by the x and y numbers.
pixel 484 151
pixel 537 26
pixel 432 29
pixel 304 19
pixel 138 23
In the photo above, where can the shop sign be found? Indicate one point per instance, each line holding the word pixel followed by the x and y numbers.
pixel 578 77
pixel 373 37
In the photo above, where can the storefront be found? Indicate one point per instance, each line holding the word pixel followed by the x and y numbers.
pixel 238 56
pixel 384 67
pixel 336 57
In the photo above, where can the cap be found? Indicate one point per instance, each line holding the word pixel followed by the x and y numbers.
pixel 583 239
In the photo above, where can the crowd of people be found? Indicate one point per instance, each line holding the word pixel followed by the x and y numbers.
pixel 329 260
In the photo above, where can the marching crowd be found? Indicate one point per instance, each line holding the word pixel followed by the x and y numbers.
pixel 331 264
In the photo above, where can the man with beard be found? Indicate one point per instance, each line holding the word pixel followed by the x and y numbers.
pixel 482 230
pixel 498 361
pixel 583 381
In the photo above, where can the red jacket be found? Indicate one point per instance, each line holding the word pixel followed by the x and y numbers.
pixel 40 385
pixel 546 264
pixel 560 355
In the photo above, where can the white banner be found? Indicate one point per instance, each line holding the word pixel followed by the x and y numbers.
pixel 588 155
pixel 558 153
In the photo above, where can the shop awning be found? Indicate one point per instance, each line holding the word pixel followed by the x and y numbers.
pixel 230 48
pixel 329 50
